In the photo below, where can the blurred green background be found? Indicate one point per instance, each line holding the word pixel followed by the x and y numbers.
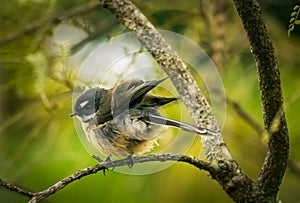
pixel 38 141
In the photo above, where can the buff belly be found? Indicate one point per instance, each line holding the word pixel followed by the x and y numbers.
pixel 123 136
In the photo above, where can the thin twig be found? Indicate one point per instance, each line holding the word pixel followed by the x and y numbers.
pixel 123 162
pixel 38 196
pixel 104 25
pixel 245 116
pixel 12 187
pixel 292 165
pixel 52 20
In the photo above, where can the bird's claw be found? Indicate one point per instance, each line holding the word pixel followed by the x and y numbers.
pixel 130 161
pixel 109 161
pixel 105 162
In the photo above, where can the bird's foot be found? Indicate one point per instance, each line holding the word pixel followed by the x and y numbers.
pixel 130 161
pixel 106 162
pixel 109 162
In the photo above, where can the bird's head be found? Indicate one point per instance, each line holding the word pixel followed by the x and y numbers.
pixel 88 103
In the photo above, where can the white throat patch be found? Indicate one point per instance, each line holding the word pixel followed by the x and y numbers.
pixel 85 118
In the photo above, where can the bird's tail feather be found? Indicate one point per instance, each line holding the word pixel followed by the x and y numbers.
pixel 156 119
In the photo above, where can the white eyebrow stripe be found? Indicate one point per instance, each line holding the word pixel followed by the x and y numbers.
pixel 82 104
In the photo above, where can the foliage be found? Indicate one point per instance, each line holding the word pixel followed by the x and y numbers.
pixel 295 20
pixel 38 141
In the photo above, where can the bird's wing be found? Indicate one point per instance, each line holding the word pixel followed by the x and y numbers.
pixel 157 119
pixel 131 93
pixel 154 101
pixel 103 101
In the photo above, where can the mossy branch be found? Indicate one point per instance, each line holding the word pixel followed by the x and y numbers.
pixel 276 160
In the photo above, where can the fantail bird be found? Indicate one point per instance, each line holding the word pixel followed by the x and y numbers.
pixel 124 120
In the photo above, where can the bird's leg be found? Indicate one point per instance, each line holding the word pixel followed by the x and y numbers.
pixel 130 161
pixel 107 160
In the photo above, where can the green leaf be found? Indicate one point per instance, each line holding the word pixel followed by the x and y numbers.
pixel 292 19
pixel 290 30
pixel 297 22
pixel 291 25
pixel 296 7
pixel 294 13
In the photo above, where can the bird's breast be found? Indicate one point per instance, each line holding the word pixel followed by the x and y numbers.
pixel 123 135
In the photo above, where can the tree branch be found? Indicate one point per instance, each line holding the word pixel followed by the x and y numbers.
pixel 245 116
pixel 134 20
pixel 221 165
pixel 292 165
pixel 52 20
pixel 15 188
pixel 105 23
pixel 38 196
pixel 229 175
pixel 271 95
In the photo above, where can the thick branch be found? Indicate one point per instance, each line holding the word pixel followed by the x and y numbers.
pixel 134 20
pixel 52 20
pixel 229 175
pixel 222 167
pixel 172 64
pixel 271 95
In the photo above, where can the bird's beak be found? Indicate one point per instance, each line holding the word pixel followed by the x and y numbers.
pixel 73 114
